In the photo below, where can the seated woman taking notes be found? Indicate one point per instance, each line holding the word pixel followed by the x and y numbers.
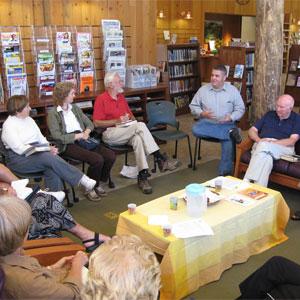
pixel 20 132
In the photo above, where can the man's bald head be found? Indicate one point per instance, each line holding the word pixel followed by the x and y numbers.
pixel 284 106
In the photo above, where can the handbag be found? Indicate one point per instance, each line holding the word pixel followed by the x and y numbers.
pixel 89 144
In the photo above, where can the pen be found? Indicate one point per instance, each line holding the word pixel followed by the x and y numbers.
pixel 238 200
pixel 215 192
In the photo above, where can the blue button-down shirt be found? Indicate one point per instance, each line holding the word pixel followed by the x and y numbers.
pixel 222 102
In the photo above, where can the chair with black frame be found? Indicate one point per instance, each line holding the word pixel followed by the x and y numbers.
pixel 164 113
pixel 37 176
pixel 197 151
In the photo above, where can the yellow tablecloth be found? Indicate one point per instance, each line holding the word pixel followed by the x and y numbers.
pixel 239 232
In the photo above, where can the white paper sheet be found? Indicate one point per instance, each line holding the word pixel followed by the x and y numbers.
pixel 129 171
pixel 20 187
pixel 158 220
pixel 230 184
pixel 191 228
pixel 240 200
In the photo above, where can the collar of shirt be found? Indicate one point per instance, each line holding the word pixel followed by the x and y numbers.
pixel 223 88
pixel 59 108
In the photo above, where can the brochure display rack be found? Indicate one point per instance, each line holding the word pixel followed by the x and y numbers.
pixel 43 59
pixel 86 61
pixel 64 38
pixel 13 68
pixel 114 54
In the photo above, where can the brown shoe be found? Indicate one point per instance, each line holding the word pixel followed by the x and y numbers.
pixel 168 164
pixel 93 196
pixel 144 184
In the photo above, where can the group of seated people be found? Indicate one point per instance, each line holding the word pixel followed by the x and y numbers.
pixel 122 267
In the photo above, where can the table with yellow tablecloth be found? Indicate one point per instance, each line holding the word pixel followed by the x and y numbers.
pixel 239 232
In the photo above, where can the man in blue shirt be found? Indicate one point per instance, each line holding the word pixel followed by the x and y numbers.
pixel 218 105
pixel 275 134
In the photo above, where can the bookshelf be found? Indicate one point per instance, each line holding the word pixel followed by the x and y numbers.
pixel 183 62
pixel 287 22
pixel 292 84
pixel 240 64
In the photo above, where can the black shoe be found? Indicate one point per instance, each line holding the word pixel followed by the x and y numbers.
pixel 296 216
pixel 235 135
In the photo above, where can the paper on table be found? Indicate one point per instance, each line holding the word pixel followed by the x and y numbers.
pixel 20 187
pixel 158 219
pixel 191 228
pixel 230 184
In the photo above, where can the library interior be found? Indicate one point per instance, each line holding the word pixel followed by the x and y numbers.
pixel 100 100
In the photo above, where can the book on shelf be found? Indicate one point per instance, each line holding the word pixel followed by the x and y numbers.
pixel 1 91
pixel 250 60
pixel 291 158
pixel 291 80
pixel 253 193
pixel 238 71
pixel 298 82
pixel 17 84
pixel 86 81
pixel 227 70
pixel 238 85
pixel 293 65
pixel 36 148
pixel 181 101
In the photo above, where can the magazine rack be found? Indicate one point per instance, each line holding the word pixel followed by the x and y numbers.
pixel 64 38
pixel 43 59
pixel 114 53
pixel 86 59
pixel 13 67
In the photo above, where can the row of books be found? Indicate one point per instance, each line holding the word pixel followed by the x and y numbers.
pixel 13 62
pixel 114 54
pixel 293 80
pixel 182 55
pixel 181 101
pixel 236 72
pixel 249 80
pixel 183 85
pixel 181 70
pixel 250 60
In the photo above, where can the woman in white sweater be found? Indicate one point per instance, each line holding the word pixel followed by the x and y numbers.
pixel 19 133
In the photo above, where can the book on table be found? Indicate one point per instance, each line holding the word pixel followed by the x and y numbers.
pixel 290 158
pixel 253 193
pixel 36 148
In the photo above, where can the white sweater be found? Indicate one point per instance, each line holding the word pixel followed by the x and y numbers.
pixel 18 134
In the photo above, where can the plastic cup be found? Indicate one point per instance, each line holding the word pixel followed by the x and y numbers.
pixel 218 185
pixel 131 208
pixel 167 229
pixel 173 202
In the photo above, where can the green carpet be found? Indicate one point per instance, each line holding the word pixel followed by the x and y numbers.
pixel 103 217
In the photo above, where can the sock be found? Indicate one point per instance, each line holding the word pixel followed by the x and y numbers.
pixel 158 155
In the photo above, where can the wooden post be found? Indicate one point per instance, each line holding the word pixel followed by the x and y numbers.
pixel 268 56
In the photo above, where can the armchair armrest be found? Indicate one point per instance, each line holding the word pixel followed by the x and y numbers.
pixel 240 150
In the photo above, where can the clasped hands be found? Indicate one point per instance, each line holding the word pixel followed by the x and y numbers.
pixel 208 114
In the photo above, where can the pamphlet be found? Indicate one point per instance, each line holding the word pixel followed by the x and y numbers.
pixel 253 193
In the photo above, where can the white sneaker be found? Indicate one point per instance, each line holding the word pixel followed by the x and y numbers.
pixel 60 196
pixel 87 183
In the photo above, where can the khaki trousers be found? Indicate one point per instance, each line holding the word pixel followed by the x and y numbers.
pixel 138 136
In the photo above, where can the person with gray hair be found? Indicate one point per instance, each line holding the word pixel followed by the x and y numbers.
pixel 275 134
pixel 25 278
pixel 110 110
pixel 123 268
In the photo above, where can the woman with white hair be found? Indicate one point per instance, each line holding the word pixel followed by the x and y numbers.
pixel 25 278
pixel 123 268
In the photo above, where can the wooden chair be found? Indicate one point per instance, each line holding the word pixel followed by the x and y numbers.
pixel 49 251
pixel 284 173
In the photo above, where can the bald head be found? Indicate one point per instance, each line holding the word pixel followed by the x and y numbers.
pixel 284 106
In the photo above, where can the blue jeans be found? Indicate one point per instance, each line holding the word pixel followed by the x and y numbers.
pixel 208 129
